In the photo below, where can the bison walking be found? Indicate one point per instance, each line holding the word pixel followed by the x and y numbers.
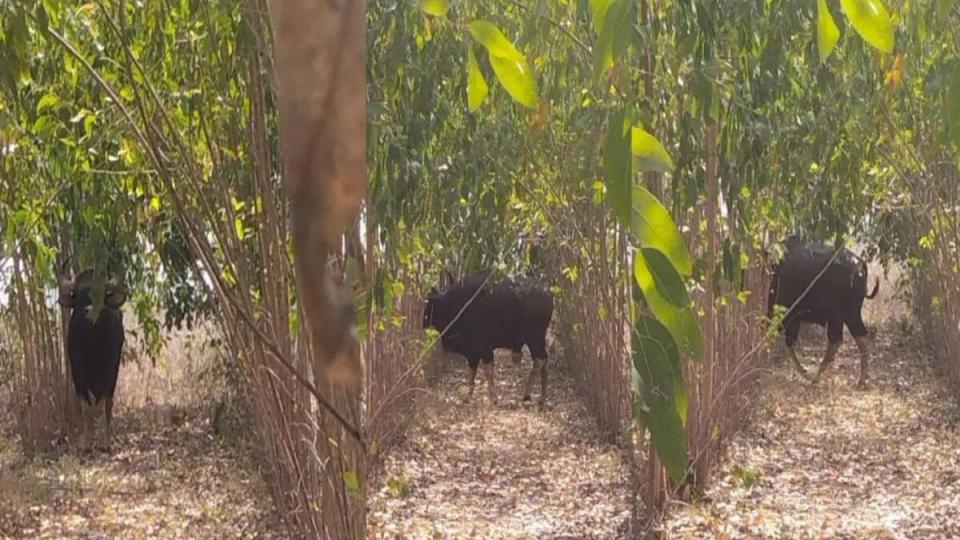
pixel 94 346
pixel 478 315
pixel 824 286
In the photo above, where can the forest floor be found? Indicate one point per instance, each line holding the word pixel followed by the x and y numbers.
pixel 478 470
pixel 168 474
pixel 834 461
pixel 167 478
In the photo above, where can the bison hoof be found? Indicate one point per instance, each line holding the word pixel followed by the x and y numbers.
pixel 862 384
pixel 541 406
pixel 526 398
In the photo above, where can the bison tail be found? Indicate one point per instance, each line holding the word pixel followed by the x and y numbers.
pixel 876 288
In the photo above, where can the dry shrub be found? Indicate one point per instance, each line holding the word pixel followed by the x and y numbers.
pixel 936 304
pixel 40 385
pixel 592 314
pixel 395 358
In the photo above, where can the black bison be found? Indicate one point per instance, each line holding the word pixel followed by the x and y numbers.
pixel 824 286
pixel 93 345
pixel 480 314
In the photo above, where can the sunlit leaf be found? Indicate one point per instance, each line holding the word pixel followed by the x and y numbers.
pixel 613 37
pixel 656 362
pixel 436 8
pixel 477 88
pixel 598 9
pixel 666 278
pixel 617 166
pixel 681 322
pixel 517 77
pixel 827 32
pixel 494 41
pixel 654 228
pixel 650 154
pixel 871 20
pixel 952 105
pixel 47 101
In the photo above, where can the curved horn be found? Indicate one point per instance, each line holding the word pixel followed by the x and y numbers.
pixel 66 285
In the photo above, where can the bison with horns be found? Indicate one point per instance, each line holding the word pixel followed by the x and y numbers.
pixel 94 345
pixel 826 286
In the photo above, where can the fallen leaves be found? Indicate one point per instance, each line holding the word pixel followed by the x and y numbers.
pixel 832 461
pixel 159 481
pixel 480 471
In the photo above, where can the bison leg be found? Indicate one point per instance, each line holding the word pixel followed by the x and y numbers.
pixel 108 413
pixel 543 383
pixel 472 377
pixel 859 332
pixel 828 359
pixel 792 332
pixel 487 366
pixel 528 386
pixel 864 348
pixel 834 337
pixel 86 424
pixel 516 354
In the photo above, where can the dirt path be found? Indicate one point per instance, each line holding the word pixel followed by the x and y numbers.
pixel 479 471
pixel 836 462
pixel 166 477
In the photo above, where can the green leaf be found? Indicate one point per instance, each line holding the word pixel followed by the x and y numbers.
pixel 599 10
pixel 666 278
pixel 352 481
pixel 238 227
pixel 657 364
pixel 614 37
pixel 652 156
pixel 827 31
pixel 682 323
pixel 871 20
pixel 654 228
pixel 509 65
pixel 437 8
pixel 495 42
pixel 477 88
pixel 47 101
pixel 45 125
pixel 952 104
pixel 517 77
pixel 617 166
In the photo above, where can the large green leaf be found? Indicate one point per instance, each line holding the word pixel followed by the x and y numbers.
pixel 614 36
pixel 509 64
pixel 494 41
pixel 952 104
pixel 476 85
pixel 656 361
pixel 598 8
pixel 437 8
pixel 681 322
pixel 827 31
pixel 871 20
pixel 650 154
pixel 666 278
pixel 617 166
pixel 654 228
pixel 517 77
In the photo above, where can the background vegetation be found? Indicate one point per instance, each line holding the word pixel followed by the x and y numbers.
pixel 640 157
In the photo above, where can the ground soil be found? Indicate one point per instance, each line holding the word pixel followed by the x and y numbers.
pixel 834 461
pixel 476 470
pixel 166 476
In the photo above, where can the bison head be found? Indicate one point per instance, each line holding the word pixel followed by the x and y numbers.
pixel 77 292
pixel 431 311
